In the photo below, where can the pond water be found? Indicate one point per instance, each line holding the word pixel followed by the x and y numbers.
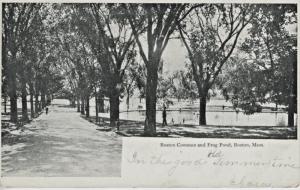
pixel 213 117
pixel 216 118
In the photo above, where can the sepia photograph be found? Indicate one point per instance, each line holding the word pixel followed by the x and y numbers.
pixel 77 78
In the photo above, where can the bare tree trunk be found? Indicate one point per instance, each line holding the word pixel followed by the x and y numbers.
pixel 96 108
pixel 101 103
pixel 293 95
pixel 78 105
pixel 127 100
pixel 87 107
pixel 24 96
pixel 82 106
pixel 48 99
pixel 4 68
pixel 24 108
pixel 202 111
pixel 36 97
pixel 40 105
pixel 13 108
pixel 31 106
pixel 43 99
pixel 150 122
pixel 13 93
pixel 36 106
pixel 291 110
pixel 114 107
pixel 31 100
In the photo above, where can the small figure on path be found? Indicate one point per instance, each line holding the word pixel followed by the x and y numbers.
pixel 164 114
pixel 47 110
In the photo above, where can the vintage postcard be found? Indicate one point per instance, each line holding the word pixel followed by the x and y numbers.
pixel 149 94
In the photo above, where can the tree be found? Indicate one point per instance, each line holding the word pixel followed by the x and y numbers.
pixel 44 56
pixel 4 80
pixel 31 51
pixel 165 87
pixel 251 82
pixel 210 35
pixel 112 43
pixel 82 66
pixel 28 58
pixel 140 80
pixel 179 79
pixel 245 84
pixel 17 20
pixel 129 83
pixel 273 48
pixel 78 60
pixel 159 22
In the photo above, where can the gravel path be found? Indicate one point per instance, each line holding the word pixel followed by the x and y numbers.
pixel 61 144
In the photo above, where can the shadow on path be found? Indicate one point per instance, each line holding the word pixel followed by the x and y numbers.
pixel 61 144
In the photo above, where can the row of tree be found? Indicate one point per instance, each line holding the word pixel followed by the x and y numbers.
pixel 108 50
pixel 28 59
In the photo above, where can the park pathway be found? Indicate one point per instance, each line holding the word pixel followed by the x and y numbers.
pixel 61 144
